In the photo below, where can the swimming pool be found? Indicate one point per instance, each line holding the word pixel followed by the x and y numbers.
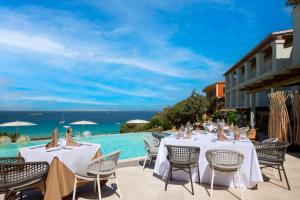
pixel 130 144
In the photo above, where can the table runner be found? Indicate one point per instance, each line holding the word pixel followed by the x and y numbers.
pixel 250 172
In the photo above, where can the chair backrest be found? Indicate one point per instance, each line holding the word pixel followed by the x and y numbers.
pixel 150 142
pixel 183 154
pixel 16 172
pixel 270 140
pixel 225 158
pixel 105 165
pixel 7 160
pixel 271 151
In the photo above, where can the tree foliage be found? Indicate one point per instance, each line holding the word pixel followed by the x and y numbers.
pixel 187 110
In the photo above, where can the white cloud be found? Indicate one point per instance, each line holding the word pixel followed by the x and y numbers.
pixel 65 100
pixel 33 42
pixel 71 53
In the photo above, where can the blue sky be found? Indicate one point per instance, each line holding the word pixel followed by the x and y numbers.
pixel 124 54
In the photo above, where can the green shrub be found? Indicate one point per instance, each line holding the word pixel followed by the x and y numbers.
pixel 231 117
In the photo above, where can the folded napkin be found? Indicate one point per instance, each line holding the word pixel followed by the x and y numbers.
pixel 221 135
pixel 69 139
pixel 54 141
pixel 237 133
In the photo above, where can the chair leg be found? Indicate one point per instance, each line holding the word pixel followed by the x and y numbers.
pixel 146 157
pixel 212 183
pixel 278 167
pixel 191 180
pixel 118 188
pixel 74 189
pixel 5 195
pixel 198 174
pixel 151 158
pixel 95 186
pixel 168 177
pixel 239 184
pixel 274 173
pixel 171 174
pixel 286 179
pixel 99 189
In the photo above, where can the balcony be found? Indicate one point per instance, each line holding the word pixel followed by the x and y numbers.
pixel 252 74
pixel 267 67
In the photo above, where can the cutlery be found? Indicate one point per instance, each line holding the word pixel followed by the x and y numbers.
pixel 38 147
pixel 53 150
pixel 85 145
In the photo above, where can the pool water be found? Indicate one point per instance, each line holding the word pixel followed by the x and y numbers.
pixel 130 144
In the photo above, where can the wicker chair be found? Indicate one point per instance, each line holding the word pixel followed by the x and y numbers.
pixel 16 175
pixel 102 168
pixel 151 146
pixel 182 158
pixel 272 154
pixel 225 161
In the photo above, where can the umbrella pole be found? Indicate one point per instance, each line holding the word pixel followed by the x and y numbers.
pixel 17 130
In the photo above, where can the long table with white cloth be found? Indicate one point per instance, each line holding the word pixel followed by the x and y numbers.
pixel 250 172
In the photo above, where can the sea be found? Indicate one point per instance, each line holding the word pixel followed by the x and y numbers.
pixel 108 122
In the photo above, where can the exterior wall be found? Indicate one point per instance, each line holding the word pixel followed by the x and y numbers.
pixel 214 91
pixel 296 39
pixel 255 69
pixel 220 90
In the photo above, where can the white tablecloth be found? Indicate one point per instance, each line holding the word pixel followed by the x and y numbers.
pixel 250 172
pixel 72 157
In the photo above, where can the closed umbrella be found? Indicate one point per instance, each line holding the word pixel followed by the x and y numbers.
pixel 17 124
pixel 83 123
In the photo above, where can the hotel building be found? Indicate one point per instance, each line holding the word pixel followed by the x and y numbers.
pixel 274 64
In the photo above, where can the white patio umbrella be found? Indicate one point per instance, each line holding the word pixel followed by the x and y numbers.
pixel 83 123
pixel 137 122
pixel 17 124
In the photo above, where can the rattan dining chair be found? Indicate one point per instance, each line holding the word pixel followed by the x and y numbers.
pixel 151 146
pixel 224 161
pixel 272 154
pixel 103 168
pixel 16 175
pixel 183 158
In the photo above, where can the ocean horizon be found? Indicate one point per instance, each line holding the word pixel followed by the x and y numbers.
pixel 108 122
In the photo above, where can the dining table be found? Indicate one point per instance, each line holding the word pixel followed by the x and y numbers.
pixel 63 162
pixel 250 172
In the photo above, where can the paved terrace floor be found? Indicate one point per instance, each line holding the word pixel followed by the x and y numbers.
pixel 136 184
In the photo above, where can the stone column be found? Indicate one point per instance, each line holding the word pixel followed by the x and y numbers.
pixel 296 35
pixel 259 63
pixel 247 70
pixel 237 85
pixel 278 52
pixel 229 89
